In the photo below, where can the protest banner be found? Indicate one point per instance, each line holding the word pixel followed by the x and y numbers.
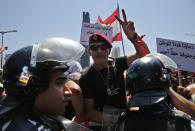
pixel 182 53
pixel 88 29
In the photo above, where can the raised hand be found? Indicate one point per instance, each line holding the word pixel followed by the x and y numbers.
pixel 128 26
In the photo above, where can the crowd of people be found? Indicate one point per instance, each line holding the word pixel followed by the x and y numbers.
pixel 44 89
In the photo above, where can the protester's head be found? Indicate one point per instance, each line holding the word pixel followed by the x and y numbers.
pixel 174 79
pixel 100 37
pixel 99 47
pixel 37 73
pixel 184 78
pixel 148 77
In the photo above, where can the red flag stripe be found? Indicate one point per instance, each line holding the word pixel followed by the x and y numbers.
pixel 111 18
pixel 100 20
pixel 2 51
pixel 1 47
pixel 113 22
pixel 117 37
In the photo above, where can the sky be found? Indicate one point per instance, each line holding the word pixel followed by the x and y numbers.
pixel 36 20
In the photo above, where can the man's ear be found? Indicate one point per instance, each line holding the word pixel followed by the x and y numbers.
pixel 89 51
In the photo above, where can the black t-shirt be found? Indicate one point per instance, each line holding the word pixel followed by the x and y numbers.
pixel 97 85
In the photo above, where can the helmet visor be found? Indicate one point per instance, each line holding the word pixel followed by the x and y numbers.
pixel 57 49
pixel 167 62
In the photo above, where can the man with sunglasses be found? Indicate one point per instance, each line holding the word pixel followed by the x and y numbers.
pixel 103 83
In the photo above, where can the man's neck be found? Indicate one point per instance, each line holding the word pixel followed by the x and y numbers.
pixel 100 66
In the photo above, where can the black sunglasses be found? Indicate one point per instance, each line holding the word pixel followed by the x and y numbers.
pixel 95 47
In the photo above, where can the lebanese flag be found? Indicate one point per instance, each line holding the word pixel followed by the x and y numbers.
pixel 99 20
pixel 113 22
pixel 2 49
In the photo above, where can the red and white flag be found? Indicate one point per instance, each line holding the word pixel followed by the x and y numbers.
pixel 99 20
pixel 113 22
pixel 2 49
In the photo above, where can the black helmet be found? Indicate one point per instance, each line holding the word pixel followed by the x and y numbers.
pixel 150 73
pixel 27 71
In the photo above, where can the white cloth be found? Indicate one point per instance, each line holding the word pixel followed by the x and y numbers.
pixel 75 68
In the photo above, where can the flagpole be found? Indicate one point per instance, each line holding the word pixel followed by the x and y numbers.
pixel 2 49
pixel 121 30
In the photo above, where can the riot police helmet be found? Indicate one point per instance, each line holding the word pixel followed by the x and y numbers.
pixel 148 77
pixel 27 71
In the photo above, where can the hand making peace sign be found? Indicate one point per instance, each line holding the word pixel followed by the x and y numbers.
pixel 128 26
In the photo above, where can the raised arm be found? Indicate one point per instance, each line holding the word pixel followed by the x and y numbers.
pixel 129 30
pixel 182 103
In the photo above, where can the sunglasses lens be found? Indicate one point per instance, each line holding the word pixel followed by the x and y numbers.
pixel 95 47
pixel 103 47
